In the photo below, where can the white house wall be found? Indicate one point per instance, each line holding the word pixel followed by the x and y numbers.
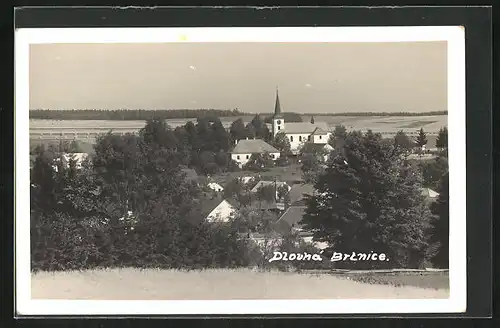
pixel 223 212
pixel 297 140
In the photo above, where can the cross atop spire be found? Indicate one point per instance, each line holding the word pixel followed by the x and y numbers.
pixel 277 106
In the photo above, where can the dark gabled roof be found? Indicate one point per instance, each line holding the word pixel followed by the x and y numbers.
pixel 298 190
pixel 191 174
pixel 265 183
pixel 253 146
pixel 293 215
pixel 277 106
pixel 319 131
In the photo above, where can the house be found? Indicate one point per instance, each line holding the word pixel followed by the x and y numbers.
pixel 244 149
pixel 215 186
pixel 245 180
pixel 79 158
pixel 272 206
pixel 429 193
pixel 223 212
pixel 299 133
pixel 321 151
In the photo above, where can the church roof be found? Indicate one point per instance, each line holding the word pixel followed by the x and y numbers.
pixel 304 127
pixel 253 146
pixel 277 106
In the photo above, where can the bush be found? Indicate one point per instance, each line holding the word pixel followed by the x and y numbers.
pixel 89 225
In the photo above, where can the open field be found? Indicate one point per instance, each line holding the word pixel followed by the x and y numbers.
pixel 434 281
pixel 135 284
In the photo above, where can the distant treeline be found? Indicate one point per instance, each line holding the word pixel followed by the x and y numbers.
pixel 131 114
pixel 432 113
pixel 142 115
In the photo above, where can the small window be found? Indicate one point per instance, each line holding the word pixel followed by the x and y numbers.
pixel 238 157
pixel 279 127
pixel 248 156
pixel 291 138
pixel 300 138
pixel 272 155
pixel 308 138
pixel 320 137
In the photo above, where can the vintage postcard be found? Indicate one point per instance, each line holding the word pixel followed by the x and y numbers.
pixel 222 171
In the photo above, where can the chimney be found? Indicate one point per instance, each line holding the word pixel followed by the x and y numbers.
pixel 236 142
pixel 247 138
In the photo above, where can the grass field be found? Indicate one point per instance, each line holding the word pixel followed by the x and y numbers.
pixel 135 284
pixel 434 281
pixel 430 124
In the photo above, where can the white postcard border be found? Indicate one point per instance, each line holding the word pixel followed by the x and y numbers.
pixel 455 37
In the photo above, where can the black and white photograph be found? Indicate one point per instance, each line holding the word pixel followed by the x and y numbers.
pixel 240 170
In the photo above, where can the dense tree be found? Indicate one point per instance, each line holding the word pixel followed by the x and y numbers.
pixel 283 161
pixel 441 225
pixel 369 199
pixel 258 128
pixel 128 175
pixel 283 195
pixel 204 135
pixel 312 158
pixel 221 139
pixel 237 191
pixel 183 140
pixel 311 168
pixel 266 193
pixel 192 135
pixel 207 163
pixel 421 139
pixel 402 141
pixel 45 188
pixel 130 114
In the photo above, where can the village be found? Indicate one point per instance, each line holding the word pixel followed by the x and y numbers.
pixel 271 176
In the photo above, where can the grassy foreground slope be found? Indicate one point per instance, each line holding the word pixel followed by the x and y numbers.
pixel 135 284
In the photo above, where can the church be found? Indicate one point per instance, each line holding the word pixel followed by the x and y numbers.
pixel 299 133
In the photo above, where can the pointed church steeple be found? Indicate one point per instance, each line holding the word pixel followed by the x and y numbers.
pixel 277 106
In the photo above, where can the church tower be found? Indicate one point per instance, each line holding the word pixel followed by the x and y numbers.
pixel 278 119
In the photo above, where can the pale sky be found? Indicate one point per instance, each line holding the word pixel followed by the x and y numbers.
pixel 312 77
